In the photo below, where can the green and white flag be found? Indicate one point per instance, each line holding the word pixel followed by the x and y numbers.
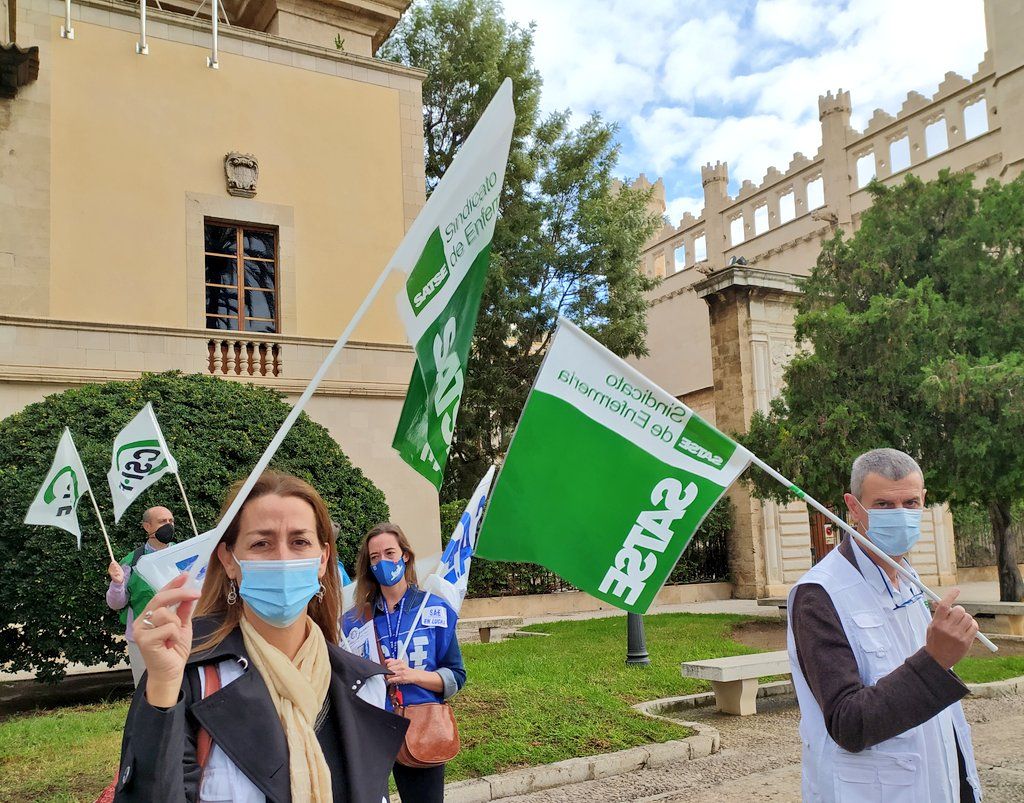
pixel 140 458
pixel 445 256
pixel 57 501
pixel 607 477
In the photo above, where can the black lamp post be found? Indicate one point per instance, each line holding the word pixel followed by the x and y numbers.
pixel 636 644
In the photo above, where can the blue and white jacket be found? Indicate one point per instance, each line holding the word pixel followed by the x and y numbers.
pixel 433 647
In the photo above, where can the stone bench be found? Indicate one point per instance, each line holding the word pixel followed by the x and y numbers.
pixel 486 624
pixel 734 679
pixel 1008 617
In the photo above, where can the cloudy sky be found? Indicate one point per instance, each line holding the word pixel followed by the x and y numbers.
pixel 691 81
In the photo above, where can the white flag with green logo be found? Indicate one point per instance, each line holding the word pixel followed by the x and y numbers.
pixel 140 458
pixel 445 256
pixel 607 477
pixel 57 501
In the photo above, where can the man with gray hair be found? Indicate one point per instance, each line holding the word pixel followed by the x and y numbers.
pixel 128 592
pixel 880 717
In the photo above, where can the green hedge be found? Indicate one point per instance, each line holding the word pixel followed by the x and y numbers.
pixel 706 559
pixel 52 596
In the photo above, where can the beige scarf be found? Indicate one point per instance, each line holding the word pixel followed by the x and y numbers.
pixel 298 689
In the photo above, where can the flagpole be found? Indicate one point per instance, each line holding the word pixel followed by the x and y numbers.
pixel 99 518
pixel 862 540
pixel 188 507
pixel 300 405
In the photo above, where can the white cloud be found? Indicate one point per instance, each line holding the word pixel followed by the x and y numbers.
pixel 798 21
pixel 737 84
pixel 677 207
pixel 701 56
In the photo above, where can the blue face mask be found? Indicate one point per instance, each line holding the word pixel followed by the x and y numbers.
pixel 894 531
pixel 278 591
pixel 388 572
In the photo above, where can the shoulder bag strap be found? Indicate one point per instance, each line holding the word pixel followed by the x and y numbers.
pixel 204 742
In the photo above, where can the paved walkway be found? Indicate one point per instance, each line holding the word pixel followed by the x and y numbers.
pixel 760 760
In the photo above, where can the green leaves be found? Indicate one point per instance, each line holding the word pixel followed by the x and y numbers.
pixel 53 595
pixel 568 240
pixel 915 329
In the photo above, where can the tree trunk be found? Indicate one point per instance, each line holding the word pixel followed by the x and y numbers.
pixel 1011 586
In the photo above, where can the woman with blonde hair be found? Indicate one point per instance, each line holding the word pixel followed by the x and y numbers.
pixel 254 700
pixel 415 638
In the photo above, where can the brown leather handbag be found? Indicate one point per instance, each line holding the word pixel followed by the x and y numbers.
pixel 433 735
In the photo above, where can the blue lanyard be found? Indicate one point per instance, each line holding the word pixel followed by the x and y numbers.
pixel 393 636
pixel 914 598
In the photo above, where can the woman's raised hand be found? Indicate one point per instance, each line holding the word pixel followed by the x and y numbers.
pixel 163 635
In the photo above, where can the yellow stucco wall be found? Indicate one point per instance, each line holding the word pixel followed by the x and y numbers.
pixel 328 148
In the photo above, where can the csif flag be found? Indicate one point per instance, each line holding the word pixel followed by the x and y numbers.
pixel 445 256
pixel 140 458
pixel 57 501
pixel 607 476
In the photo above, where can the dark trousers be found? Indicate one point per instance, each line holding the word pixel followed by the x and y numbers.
pixel 419 785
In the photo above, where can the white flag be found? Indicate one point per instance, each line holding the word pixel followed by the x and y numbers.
pixel 140 458
pixel 55 504
pixel 191 556
pixel 452 576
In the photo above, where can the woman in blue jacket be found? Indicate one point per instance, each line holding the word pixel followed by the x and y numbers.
pixel 429 669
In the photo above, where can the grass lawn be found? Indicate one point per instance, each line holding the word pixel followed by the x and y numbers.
pixel 528 701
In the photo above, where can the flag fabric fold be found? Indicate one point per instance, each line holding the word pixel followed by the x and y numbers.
pixel 607 476
pixel 140 458
pixel 445 256
pixel 450 579
pixel 56 503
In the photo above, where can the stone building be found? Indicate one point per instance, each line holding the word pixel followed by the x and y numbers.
pixel 721 322
pixel 176 198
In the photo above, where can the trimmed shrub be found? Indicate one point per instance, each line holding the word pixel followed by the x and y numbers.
pixel 53 594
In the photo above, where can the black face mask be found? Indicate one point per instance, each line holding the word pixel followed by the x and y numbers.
pixel 165 534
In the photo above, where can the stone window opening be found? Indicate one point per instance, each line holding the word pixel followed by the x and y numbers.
pixel 936 138
pixel 241 261
pixel 815 193
pixel 899 154
pixel 787 207
pixel 865 169
pixel 761 219
pixel 700 249
pixel 679 257
pixel 736 233
pixel 976 118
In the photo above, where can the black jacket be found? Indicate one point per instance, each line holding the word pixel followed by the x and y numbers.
pixel 158 753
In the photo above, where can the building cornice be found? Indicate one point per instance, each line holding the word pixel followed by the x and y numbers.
pixel 154 15
pixel 73 377
pixel 753 278
pixel 203 334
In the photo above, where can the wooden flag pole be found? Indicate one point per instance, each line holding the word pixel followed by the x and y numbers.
pixel 103 527
pixel 188 507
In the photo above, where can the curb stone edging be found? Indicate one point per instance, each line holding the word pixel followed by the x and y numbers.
pixel 998 688
pixel 589 768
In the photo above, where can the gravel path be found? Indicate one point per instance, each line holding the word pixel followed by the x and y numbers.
pixel 760 760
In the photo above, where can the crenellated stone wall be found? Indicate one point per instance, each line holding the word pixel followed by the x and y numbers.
pixel 723 315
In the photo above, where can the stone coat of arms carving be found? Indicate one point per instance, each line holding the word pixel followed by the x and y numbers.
pixel 242 171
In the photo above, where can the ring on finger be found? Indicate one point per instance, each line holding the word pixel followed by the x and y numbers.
pixel 147 620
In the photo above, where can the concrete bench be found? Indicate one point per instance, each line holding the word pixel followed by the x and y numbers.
pixel 1008 617
pixel 485 625
pixel 734 679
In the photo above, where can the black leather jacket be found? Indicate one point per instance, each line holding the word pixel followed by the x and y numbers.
pixel 158 753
